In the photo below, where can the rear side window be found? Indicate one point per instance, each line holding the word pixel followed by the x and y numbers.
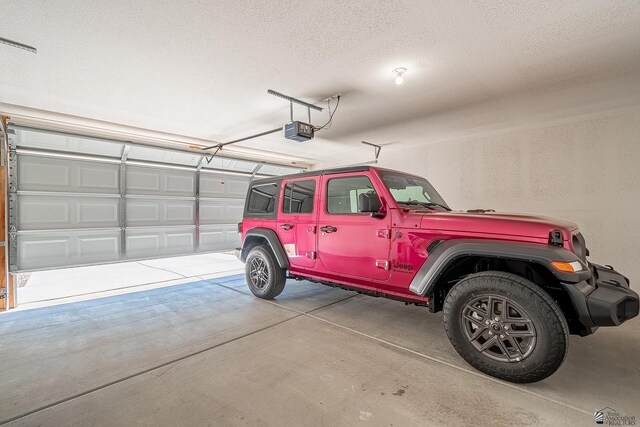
pixel 298 197
pixel 343 193
pixel 263 199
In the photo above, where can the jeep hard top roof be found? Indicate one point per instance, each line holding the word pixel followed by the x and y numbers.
pixel 315 173
pixel 345 169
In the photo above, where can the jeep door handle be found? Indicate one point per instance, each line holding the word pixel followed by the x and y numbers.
pixel 286 226
pixel 328 229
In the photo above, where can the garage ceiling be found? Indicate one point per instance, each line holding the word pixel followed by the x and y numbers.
pixel 202 68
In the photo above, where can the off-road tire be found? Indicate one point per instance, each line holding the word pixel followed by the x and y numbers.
pixel 264 276
pixel 550 330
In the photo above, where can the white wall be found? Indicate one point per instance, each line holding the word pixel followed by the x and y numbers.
pixel 583 170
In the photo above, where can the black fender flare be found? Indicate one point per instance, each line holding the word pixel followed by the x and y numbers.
pixel 272 240
pixel 448 251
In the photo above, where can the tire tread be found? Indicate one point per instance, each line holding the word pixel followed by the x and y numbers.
pixel 279 274
pixel 559 337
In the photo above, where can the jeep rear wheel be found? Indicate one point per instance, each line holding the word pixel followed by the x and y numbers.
pixel 506 326
pixel 264 276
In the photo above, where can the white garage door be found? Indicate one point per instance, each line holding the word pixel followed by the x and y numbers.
pixel 77 200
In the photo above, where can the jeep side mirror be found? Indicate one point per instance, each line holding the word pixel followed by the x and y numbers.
pixel 382 210
pixel 371 203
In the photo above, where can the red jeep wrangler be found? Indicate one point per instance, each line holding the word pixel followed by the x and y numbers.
pixel 512 287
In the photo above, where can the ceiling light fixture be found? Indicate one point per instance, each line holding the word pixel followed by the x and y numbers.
pixel 399 75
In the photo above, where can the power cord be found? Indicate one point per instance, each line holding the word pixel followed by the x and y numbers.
pixel 317 128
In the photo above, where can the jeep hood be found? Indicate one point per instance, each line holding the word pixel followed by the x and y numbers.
pixel 492 223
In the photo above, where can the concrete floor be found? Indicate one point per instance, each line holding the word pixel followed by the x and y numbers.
pixel 50 287
pixel 209 353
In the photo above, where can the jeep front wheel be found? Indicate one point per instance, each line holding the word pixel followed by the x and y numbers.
pixel 506 326
pixel 264 276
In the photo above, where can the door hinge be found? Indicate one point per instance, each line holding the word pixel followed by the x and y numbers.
pixel 383 264
pixel 3 293
pixel 384 233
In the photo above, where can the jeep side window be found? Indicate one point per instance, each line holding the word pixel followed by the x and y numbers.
pixel 298 197
pixel 343 194
pixel 263 198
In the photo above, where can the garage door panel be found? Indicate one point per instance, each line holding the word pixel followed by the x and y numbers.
pixel 227 164
pixel 45 212
pixel 31 138
pixel 66 175
pixel 78 200
pixel 163 156
pixel 94 246
pixel 91 177
pixel 278 170
pixel 221 211
pixel 219 237
pixel 142 181
pixel 33 174
pixel 179 212
pixel 67 248
pixel 180 241
pixel 218 185
pixel 140 212
pixel 154 242
pixel 98 212
pixel 166 182
pixel 148 212
pixel 142 243
pixel 180 184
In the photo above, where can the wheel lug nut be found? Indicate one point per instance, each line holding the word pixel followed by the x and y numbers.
pixel 497 319
pixel 506 326
pixel 501 336
pixel 487 322
pixel 490 333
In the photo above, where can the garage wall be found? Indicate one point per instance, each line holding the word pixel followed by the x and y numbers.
pixel 587 171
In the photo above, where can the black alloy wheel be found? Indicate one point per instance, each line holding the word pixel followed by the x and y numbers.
pixel 506 326
pixel 264 276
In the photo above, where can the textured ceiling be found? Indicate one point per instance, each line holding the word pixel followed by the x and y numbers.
pixel 202 68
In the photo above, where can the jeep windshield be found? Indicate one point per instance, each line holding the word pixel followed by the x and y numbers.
pixel 412 190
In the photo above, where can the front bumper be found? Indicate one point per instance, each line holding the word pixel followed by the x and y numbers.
pixel 605 299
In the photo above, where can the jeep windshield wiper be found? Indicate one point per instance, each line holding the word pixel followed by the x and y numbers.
pixel 430 205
